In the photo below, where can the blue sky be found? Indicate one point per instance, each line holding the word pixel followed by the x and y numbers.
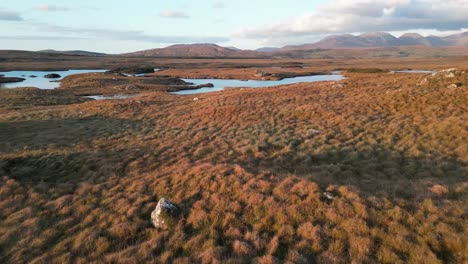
pixel 123 26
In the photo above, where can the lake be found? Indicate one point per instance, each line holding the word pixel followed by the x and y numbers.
pixel 40 81
pixel 220 84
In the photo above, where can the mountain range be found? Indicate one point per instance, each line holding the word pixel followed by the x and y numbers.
pixel 346 41
pixel 335 42
pixel 382 39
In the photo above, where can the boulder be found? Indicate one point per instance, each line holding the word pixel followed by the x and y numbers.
pixel 453 85
pixel 165 214
pixel 32 76
pixel 52 76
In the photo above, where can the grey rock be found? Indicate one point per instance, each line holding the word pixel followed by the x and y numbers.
pixel 329 195
pixel 164 214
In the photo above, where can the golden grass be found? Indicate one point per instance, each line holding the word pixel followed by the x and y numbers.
pixel 248 173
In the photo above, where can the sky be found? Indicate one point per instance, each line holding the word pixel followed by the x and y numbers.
pixel 124 26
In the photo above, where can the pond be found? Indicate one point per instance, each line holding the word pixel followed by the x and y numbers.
pixel 39 81
pixel 111 97
pixel 220 84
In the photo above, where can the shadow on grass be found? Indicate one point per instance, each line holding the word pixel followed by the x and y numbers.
pixel 378 171
pixel 56 133
pixel 69 169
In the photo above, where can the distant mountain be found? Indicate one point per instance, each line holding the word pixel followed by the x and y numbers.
pixel 233 48
pixel 346 41
pixel 381 39
pixel 413 39
pixel 267 49
pixel 73 52
pixel 458 39
pixel 195 50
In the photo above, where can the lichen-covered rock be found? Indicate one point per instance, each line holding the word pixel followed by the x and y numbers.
pixel 164 215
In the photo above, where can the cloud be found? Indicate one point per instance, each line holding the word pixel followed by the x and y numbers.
pixel 346 16
pixel 38 38
pixel 132 35
pixel 173 14
pixel 10 16
pixel 51 8
pixel 219 4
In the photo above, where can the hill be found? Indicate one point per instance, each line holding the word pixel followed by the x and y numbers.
pixel 196 50
pixel 73 52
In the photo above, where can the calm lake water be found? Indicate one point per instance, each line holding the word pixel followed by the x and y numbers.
pixel 220 84
pixel 40 81
pixel 110 97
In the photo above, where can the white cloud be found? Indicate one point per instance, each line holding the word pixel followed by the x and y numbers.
pixel 112 34
pixel 173 14
pixel 352 16
pixel 219 4
pixel 50 8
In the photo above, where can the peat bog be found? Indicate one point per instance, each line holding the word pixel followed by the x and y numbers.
pixel 248 168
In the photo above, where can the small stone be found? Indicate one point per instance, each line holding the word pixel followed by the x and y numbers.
pixel 313 132
pixel 164 213
pixel 195 99
pixel 329 195
pixel 451 86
